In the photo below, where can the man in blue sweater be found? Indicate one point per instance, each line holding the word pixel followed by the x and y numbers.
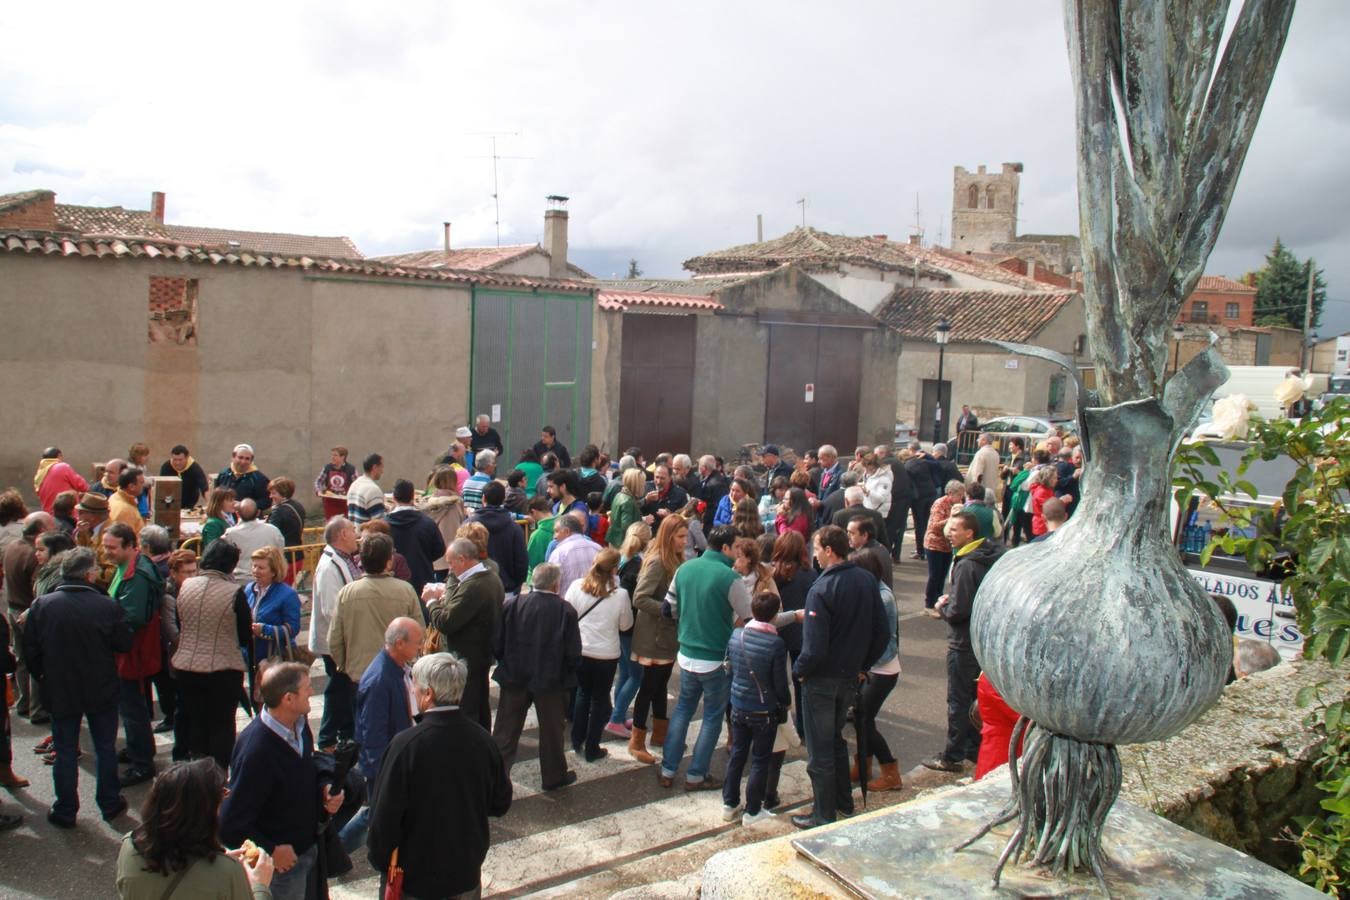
pixel 275 794
pixel 844 633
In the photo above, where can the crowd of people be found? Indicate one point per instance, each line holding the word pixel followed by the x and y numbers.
pixel 579 589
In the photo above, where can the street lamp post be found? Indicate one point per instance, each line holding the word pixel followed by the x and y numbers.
pixel 943 331
pixel 1178 332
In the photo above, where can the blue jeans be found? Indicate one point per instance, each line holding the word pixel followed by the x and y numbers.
pixel 713 687
pixel 825 703
pixel 136 724
pixel 628 680
pixel 339 705
pixel 752 737
pixel 353 834
pixel 66 773
pixel 292 885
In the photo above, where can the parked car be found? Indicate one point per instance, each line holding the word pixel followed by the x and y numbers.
pixel 1034 428
pixel 1337 386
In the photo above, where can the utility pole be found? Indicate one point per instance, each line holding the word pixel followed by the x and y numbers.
pixel 1307 318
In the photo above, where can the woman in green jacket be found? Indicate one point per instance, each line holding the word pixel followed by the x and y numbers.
pixel 625 510
pixel 529 464
pixel 655 640
pixel 219 515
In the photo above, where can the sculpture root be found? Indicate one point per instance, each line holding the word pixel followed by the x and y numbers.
pixel 1062 789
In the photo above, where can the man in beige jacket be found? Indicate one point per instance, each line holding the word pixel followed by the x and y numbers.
pixel 367 606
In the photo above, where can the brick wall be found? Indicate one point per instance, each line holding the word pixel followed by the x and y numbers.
pixel 1217 303
pixel 167 294
pixel 39 215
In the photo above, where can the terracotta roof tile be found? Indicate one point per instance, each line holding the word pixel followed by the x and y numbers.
pixel 973 315
pixel 623 300
pixel 689 287
pixel 1220 283
pixel 53 244
pixel 808 247
pixel 336 247
pixel 476 259
pixel 107 220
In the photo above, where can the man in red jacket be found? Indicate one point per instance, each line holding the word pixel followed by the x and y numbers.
pixel 55 475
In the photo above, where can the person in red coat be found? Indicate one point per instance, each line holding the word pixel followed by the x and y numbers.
pixel 997 720
pixel 55 475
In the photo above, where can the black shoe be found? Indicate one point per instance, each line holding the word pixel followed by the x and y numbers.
pixel 41 718
pixel 124 756
pixel 804 821
pixel 939 764
pixel 10 822
pixel 771 803
pixel 60 822
pixel 598 755
pixel 117 810
pixel 133 777
pixel 568 779
pixel 164 727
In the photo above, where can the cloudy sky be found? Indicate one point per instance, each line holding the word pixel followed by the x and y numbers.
pixel 669 126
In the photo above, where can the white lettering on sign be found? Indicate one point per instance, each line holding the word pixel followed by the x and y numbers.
pixel 1010 364
pixel 810 393
pixel 496 412
pixel 1262 609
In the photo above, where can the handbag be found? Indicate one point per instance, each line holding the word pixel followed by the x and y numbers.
pixel 393 879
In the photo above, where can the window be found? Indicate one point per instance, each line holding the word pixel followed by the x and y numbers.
pixel 173 310
pixel 1230 311
pixel 1200 311
pixel 974 196
pixel 989 197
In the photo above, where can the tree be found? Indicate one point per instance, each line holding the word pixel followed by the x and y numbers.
pixel 1282 290
pixel 633 270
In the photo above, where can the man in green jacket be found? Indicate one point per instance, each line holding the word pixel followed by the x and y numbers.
pixel 467 618
pixel 707 598
pixel 139 590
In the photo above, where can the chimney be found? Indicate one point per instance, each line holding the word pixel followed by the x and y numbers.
pixel 759 228
pixel 157 207
pixel 1031 268
pixel 447 236
pixel 915 240
pixel 555 236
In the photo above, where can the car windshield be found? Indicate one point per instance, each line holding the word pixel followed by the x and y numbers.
pixel 1339 385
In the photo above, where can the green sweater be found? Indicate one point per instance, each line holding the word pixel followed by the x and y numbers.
pixel 537 548
pixel 212 529
pixel 701 602
pixel 984 515
pixel 533 472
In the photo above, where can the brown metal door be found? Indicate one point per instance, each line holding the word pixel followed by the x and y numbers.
pixel 829 361
pixel 656 390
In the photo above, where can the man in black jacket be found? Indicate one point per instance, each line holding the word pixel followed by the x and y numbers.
pixel 665 497
pixel 843 634
pixel 548 443
pixel 901 496
pixel 440 781
pixel 506 539
pixel 415 535
pixel 70 640
pixel 538 650
pixel 925 493
pixel 973 557
pixel 713 486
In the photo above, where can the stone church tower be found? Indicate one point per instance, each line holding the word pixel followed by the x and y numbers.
pixel 984 208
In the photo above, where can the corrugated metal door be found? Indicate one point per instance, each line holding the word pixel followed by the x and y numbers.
pixel 656 395
pixel 532 366
pixel 826 360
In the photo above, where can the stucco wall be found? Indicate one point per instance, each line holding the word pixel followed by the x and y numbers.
pixel 731 360
pixel 606 372
pixel 288 363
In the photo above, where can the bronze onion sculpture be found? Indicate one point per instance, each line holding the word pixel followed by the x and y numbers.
pixel 1100 637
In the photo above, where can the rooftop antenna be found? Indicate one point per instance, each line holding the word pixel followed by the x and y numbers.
pixel 496 197
pixel 801 201
pixel 918 218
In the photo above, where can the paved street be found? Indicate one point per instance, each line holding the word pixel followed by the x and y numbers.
pixel 614 829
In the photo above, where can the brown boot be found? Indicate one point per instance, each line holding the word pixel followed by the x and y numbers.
pixel 853 772
pixel 11 779
pixel 659 732
pixel 888 780
pixel 637 746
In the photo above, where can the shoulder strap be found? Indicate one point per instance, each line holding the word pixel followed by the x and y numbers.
pixel 174 882
pixel 591 607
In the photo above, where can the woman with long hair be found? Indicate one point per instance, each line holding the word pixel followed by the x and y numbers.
pixel 630 673
pixel 176 850
pixel 624 510
pixel 219 515
pixel 757 577
pixel 881 679
pixel 446 508
pixel 655 643
pixel 603 610
pixel 745 519
pixel 48 546
pixel 214 624
pixel 794 514
pixel 740 489
pixel 794 576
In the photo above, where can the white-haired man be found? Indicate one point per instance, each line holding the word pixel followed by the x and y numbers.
pixel 442 776
pixel 485 467
pixel 338 567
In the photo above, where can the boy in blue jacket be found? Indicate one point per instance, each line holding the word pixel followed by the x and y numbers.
pixel 760 697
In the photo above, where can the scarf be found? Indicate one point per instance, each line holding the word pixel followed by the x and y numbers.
pixel 44 466
pixel 238 474
pixel 187 465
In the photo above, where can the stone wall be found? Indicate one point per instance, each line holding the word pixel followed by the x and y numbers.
pixel 1244 768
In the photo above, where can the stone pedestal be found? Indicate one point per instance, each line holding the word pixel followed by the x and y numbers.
pixel 907 852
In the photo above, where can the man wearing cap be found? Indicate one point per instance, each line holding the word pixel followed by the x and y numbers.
pixel 774 467
pixel 243 477
pixel 91 517
pixel 55 475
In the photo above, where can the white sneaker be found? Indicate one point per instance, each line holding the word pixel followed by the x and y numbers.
pixel 729 813
pixel 762 816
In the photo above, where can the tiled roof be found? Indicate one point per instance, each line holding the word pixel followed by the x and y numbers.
pixel 688 287
pixel 973 315
pixel 623 300
pixel 51 244
pixel 1220 283
pixel 960 262
pixel 21 199
pixel 474 259
pixel 809 247
pixel 265 241
pixel 107 220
